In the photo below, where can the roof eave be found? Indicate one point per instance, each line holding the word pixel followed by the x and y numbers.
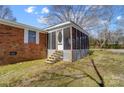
pixel 19 25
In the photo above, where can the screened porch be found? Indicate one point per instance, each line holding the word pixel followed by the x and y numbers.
pixel 67 38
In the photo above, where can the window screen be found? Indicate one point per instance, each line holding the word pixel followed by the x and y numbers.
pixel 32 37
pixel 67 42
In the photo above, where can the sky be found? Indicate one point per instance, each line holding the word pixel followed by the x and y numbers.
pixel 34 15
pixel 30 14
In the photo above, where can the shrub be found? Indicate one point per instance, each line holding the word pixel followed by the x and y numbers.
pixel 90 52
pixel 113 46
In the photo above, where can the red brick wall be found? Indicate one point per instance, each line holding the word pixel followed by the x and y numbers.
pixel 12 39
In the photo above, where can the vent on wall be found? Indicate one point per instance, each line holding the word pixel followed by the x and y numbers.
pixel 12 53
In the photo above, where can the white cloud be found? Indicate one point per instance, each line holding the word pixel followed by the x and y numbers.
pixel 104 21
pixel 35 13
pixel 119 17
pixel 45 10
pixel 30 9
pixel 42 20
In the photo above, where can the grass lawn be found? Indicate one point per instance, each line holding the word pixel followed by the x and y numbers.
pixel 39 73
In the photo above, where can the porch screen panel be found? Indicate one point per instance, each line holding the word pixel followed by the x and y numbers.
pixel 78 39
pixel 84 41
pixel 87 42
pixel 49 40
pixel 53 40
pixel 67 42
pixel 48 46
pixel 81 41
pixel 73 38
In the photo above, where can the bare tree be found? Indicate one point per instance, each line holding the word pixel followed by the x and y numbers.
pixel 117 37
pixel 91 18
pixel 104 35
pixel 85 16
pixel 6 13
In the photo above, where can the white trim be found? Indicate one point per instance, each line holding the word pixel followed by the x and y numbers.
pixel 64 25
pixel 58 29
pixel 37 37
pixel 61 24
pixel 26 35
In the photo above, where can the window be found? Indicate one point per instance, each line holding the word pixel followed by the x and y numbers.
pixel 32 37
pixel 67 42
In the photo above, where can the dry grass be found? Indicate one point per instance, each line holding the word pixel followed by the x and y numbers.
pixel 38 73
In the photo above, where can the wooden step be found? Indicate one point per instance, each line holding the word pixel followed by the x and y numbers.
pixel 52 57
pixel 50 61
pixel 56 56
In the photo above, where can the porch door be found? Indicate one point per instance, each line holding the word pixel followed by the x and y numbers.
pixel 60 39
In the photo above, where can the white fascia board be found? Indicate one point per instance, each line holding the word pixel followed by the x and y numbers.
pixel 63 25
pixel 57 26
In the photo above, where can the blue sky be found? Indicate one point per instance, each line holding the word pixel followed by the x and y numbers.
pixel 33 15
pixel 30 14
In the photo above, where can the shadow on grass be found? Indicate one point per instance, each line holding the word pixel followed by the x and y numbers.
pixel 101 83
pixel 79 76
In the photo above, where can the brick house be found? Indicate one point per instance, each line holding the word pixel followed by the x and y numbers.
pixel 20 42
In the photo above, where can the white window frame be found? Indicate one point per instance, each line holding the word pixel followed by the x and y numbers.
pixel 37 37
pixel 26 36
